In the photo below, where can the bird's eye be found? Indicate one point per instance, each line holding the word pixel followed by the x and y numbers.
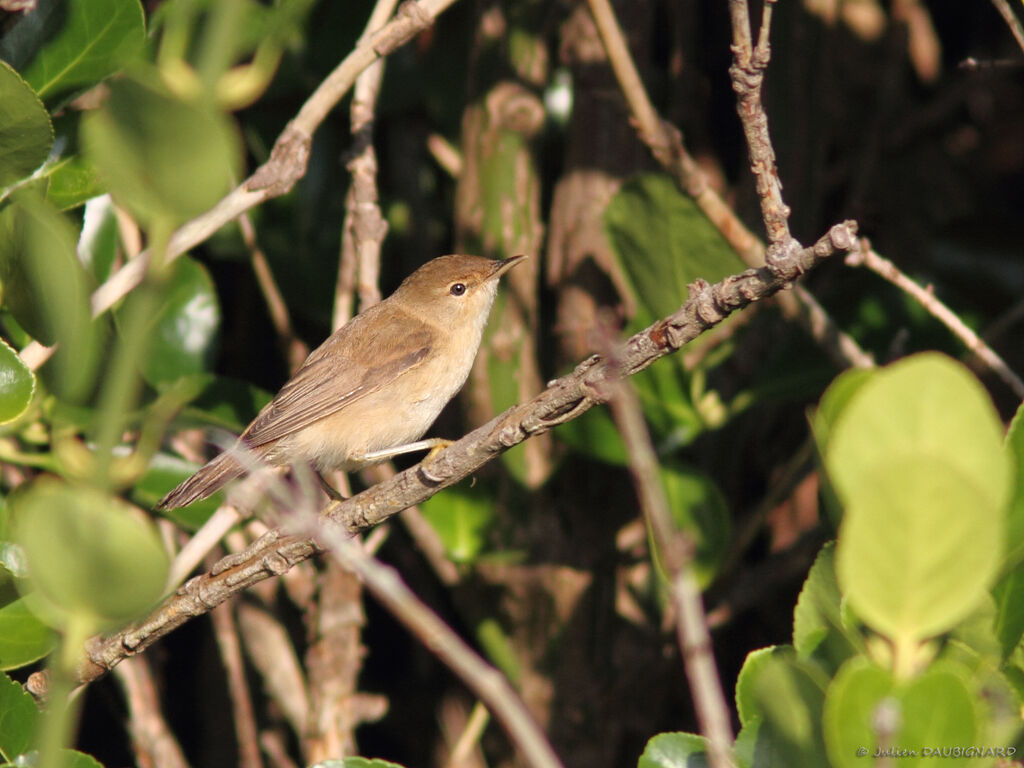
pixel 458 289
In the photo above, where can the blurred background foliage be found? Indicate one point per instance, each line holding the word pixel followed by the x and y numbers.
pixel 500 130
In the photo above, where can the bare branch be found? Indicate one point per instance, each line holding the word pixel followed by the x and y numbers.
pixel 691 623
pixel 226 632
pixel 865 256
pixel 153 741
pixel 564 400
pixel 1011 20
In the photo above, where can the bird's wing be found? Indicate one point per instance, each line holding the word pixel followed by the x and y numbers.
pixel 367 353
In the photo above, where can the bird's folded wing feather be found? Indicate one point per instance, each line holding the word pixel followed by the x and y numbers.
pixel 367 353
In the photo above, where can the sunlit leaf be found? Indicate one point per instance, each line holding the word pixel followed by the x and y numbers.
pixel 17 383
pixel 26 133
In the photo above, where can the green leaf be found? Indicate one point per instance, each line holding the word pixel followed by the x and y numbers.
pixel 916 457
pixel 18 718
pixel 674 750
pixel 664 243
pixel 23 637
pixel 89 555
pixel 73 181
pixel 163 158
pixel 1015 514
pixel 594 434
pixel 928 406
pixel 46 289
pixel 223 402
pixel 782 696
pixel 819 630
pixel 184 329
pixel 1009 597
pixel 26 133
pixel 699 510
pixel 95 40
pixel 164 473
pixel 462 518
pixel 918 548
pixel 867 710
pixel 17 384
pixel 97 244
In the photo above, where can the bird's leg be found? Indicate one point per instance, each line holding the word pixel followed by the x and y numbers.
pixel 329 489
pixel 435 444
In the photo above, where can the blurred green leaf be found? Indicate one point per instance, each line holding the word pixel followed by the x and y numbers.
pixel 1015 513
pixel 163 158
pixel 164 473
pixel 462 518
pixel 934 710
pixel 23 637
pixel 26 133
pixel 674 750
pixel 783 696
pixel 17 384
pixel 1009 597
pixel 73 181
pixel 664 243
pixel 46 289
pixel 819 628
pixel 916 446
pixel 182 332
pixel 499 648
pixel 18 718
pixel 698 510
pixel 89 555
pixel 594 434
pixel 95 39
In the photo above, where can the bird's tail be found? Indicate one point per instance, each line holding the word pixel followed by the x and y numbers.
pixel 210 478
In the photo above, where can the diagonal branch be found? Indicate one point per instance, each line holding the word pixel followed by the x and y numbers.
pixel 564 400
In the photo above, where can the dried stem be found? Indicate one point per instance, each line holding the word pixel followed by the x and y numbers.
pixel 666 145
pixel 484 680
pixel 226 632
pixel 691 624
pixel 564 399
pixel 1011 20
pixel 153 741
pixel 866 257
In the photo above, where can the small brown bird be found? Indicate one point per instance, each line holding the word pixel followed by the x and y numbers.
pixel 372 389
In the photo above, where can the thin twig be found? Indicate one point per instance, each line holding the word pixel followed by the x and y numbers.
pixel 867 257
pixel 294 349
pixel 564 399
pixel 152 740
pixel 691 624
pixel 226 632
pixel 484 680
pixel 666 145
pixel 1011 20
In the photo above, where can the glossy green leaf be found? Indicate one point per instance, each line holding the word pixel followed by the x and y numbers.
pixel 97 244
pixel 23 637
pixel 919 721
pixel 162 158
pixel 17 384
pixel 94 40
pixel 699 510
pixel 674 750
pixel 89 555
pixel 819 629
pixel 73 181
pixel 462 519
pixel 18 718
pixel 26 133
pixel 784 697
pixel 665 242
pixel 928 406
pixel 182 334
pixel 164 473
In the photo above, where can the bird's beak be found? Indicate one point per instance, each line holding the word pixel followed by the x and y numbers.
pixel 501 267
